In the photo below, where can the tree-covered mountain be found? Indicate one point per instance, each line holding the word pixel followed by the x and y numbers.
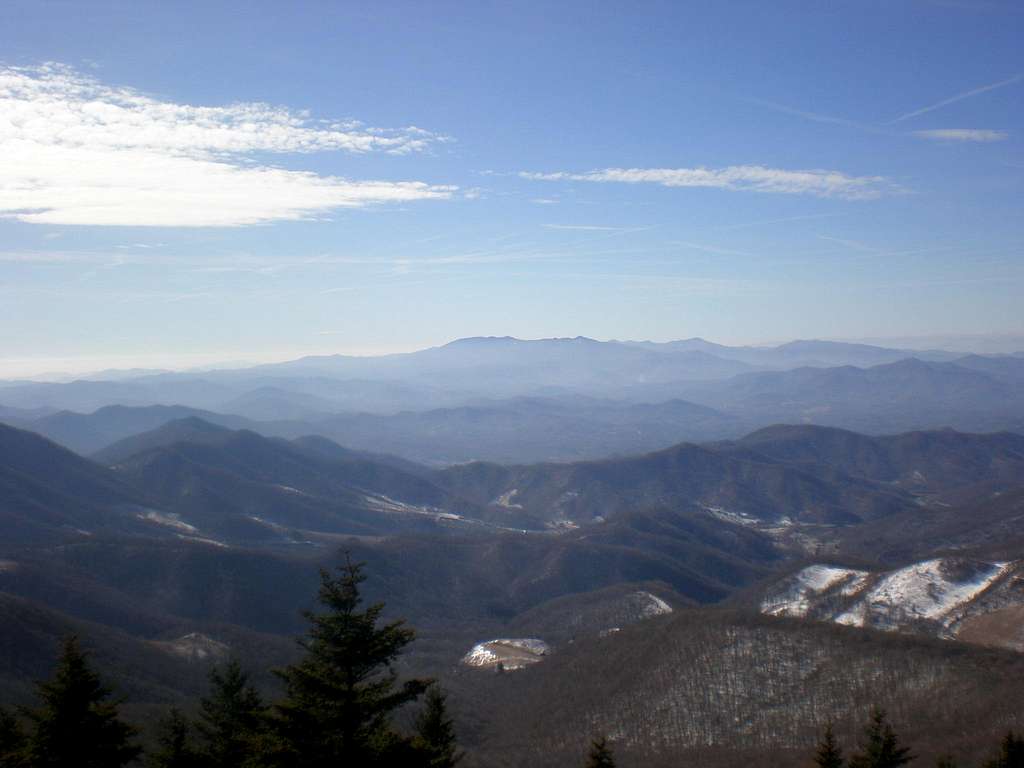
pixel 194 541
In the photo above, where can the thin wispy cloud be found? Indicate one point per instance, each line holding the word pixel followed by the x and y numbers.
pixel 981 135
pixel 782 220
pixel 584 227
pixel 977 135
pixel 717 250
pixel 960 97
pixel 77 151
pixel 815 117
pixel 856 245
pixel 749 178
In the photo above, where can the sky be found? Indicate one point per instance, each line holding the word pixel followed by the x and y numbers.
pixel 188 183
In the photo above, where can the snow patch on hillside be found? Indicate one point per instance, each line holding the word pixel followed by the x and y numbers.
pixel 652 605
pixel 775 528
pixel 510 653
pixel 195 646
pixel 505 500
pixel 935 596
pixel 796 595
pixel 170 520
pixel 921 591
pixel 381 503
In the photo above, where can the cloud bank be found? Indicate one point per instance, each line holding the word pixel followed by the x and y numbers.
pixel 963 134
pixel 753 178
pixel 76 151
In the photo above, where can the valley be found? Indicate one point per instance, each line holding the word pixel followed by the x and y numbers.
pixel 644 595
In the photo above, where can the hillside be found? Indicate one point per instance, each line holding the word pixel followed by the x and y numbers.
pixel 49 494
pixel 934 461
pixel 240 486
pixel 685 476
pixel 720 689
pixel 942 597
pixel 906 395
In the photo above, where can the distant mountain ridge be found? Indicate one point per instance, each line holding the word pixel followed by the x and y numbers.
pixel 215 479
pixel 642 407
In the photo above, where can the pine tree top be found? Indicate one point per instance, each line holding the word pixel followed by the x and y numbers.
pixel 600 755
pixel 828 753
pixel 340 697
pixel 881 747
pixel 77 724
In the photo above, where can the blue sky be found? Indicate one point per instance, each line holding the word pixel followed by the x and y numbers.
pixel 183 183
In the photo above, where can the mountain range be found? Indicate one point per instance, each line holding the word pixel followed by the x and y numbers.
pixel 624 556
pixel 511 401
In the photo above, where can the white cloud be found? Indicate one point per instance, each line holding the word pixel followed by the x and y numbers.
pixel 755 178
pixel 79 152
pixel 962 134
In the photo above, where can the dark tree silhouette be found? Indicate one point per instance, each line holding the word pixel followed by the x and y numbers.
pixel 828 753
pixel 230 717
pixel 600 754
pixel 1011 753
pixel 881 748
pixel 173 747
pixel 12 741
pixel 340 698
pixel 435 732
pixel 77 726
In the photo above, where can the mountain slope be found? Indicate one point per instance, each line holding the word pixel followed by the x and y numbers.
pixel 528 429
pixel 717 689
pixel 243 487
pixel 901 396
pixel 934 460
pixel 941 597
pixel 685 477
pixel 48 493
pixel 88 433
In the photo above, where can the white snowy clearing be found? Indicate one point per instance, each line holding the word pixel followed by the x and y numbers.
pixel 195 646
pixel 652 605
pixel 794 599
pixel 920 591
pixel 938 590
pixel 510 653
pixel 171 520
pixel 381 503
pixel 505 500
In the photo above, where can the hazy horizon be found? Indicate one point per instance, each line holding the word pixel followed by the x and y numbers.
pixel 54 369
pixel 195 183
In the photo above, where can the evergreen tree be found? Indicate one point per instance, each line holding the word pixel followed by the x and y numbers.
pixel 173 747
pixel 600 754
pixel 229 718
pixel 828 754
pixel 77 726
pixel 1011 753
pixel 946 761
pixel 881 748
pixel 435 732
pixel 12 741
pixel 340 698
